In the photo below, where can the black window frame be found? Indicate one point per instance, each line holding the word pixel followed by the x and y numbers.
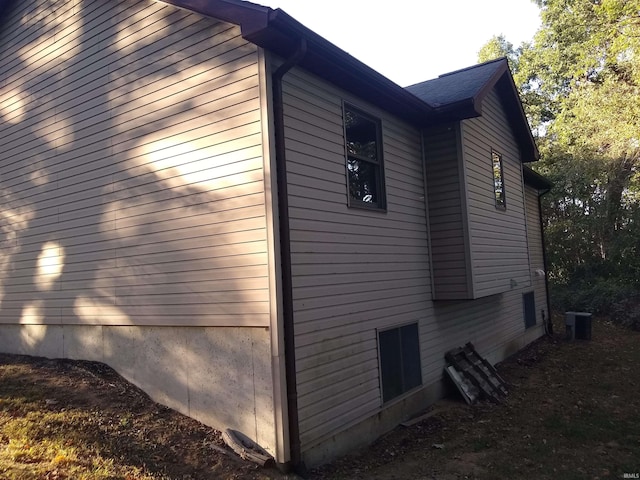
pixel 378 163
pixel 499 191
pixel 397 383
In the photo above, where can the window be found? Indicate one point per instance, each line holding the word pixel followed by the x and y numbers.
pixel 364 159
pixel 529 307
pixel 399 351
pixel 498 180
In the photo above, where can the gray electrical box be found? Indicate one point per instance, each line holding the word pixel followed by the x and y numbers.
pixel 578 325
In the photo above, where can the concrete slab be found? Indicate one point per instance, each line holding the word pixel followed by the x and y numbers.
pixel 263 385
pixel 153 359
pixel 40 340
pixel 220 376
pixel 221 383
pixel 83 342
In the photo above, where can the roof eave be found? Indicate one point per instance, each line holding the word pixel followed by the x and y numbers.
pixel 460 110
pixel 276 31
pixel 502 78
pixel 471 106
pixel 492 81
pixel 282 35
pixel 521 127
pixel 535 180
pixel 249 16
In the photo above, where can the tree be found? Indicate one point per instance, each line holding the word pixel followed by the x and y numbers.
pixel 593 72
pixel 580 83
pixel 498 47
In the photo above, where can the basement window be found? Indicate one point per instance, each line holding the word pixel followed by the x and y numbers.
pixel 399 351
pixel 498 180
pixel 529 309
pixel 363 139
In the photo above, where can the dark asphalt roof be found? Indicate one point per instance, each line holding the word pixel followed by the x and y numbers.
pixel 459 86
pixel 453 96
pixel 459 95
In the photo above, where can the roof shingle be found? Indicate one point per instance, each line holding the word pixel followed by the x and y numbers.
pixel 459 86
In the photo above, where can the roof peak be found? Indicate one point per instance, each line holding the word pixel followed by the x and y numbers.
pixel 477 65
pixel 460 94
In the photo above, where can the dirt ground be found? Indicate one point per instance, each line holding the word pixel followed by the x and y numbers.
pixel 63 419
pixel 573 412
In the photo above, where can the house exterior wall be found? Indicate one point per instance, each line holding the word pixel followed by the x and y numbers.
pixel 353 270
pixel 134 213
pixel 447 211
pixel 498 237
pixel 138 226
pixel 536 254
pixel 356 271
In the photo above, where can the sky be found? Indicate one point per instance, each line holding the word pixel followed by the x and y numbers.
pixel 410 41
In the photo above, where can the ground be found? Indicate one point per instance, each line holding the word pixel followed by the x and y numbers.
pixel 75 420
pixel 573 412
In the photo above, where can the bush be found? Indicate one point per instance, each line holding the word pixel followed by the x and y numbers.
pixel 627 312
pixel 598 295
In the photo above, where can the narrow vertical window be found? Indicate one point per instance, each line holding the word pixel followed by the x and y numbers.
pixel 364 159
pixel 498 180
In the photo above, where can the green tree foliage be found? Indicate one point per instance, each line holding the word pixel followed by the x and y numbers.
pixel 498 47
pixel 580 83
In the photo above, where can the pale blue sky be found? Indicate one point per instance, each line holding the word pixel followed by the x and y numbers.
pixel 414 40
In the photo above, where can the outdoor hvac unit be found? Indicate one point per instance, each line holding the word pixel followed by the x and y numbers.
pixel 578 325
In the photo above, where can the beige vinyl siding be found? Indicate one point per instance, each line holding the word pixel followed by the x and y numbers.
pixel 498 237
pixel 353 270
pixel 495 323
pixel 447 214
pixel 132 168
pixel 356 271
pixel 536 254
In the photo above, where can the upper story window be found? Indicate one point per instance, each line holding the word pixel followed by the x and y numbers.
pixel 498 180
pixel 365 176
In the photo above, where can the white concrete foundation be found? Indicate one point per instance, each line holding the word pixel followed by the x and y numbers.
pixel 220 376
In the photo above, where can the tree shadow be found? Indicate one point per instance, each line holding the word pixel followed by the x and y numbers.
pixel 133 218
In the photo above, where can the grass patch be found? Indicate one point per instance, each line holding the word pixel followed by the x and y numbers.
pixel 57 444
pixel 588 426
pixel 64 420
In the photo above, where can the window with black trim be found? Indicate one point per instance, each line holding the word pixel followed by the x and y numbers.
pixel 498 180
pixel 400 370
pixel 365 176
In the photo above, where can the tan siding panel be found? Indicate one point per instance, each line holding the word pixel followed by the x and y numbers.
pixel 131 144
pixel 446 215
pixel 493 230
pixel 356 271
pixel 353 270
